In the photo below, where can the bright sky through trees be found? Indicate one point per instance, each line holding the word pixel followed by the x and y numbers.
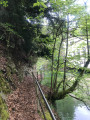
pixel 82 3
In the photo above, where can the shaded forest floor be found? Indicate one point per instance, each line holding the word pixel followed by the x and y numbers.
pixel 22 102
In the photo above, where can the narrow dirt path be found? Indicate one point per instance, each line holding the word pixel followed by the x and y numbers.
pixel 22 103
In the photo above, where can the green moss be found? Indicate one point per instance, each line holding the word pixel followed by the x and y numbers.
pixel 47 114
pixel 48 117
pixel 4 115
pixel 4 86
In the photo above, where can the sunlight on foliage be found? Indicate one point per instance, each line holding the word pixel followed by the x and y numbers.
pixel 4 3
pixel 40 4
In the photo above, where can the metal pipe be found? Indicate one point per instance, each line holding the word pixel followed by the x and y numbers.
pixel 45 100
pixel 41 107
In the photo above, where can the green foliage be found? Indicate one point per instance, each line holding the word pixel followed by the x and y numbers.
pixel 77 23
pixel 4 115
pixel 83 89
pixel 4 89
pixel 42 7
pixel 41 62
pixel 4 3
pixel 47 114
pixel 26 24
pixel 39 4
pixel 8 35
pixel 21 25
pixel 4 85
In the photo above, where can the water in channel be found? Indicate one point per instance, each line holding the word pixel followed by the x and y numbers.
pixel 71 109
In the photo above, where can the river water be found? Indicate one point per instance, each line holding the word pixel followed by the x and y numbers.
pixel 71 109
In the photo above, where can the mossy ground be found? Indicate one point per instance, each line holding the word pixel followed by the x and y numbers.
pixel 4 115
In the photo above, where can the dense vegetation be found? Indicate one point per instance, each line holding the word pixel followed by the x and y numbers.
pixel 69 28
pixel 26 36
